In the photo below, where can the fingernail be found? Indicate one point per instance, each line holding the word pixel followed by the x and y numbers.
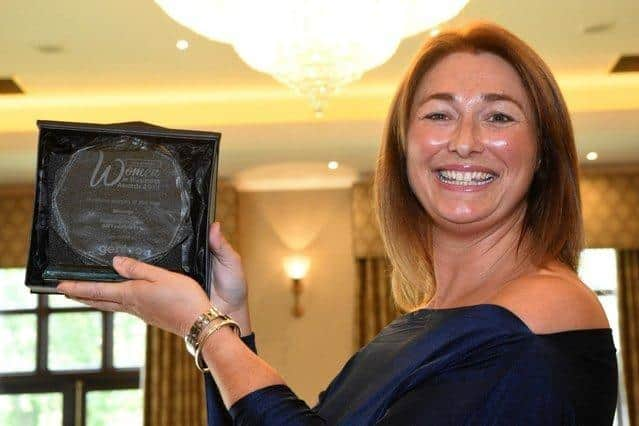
pixel 117 260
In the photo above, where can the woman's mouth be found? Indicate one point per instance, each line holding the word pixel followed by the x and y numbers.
pixel 460 178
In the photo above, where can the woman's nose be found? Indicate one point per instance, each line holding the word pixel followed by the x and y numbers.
pixel 466 139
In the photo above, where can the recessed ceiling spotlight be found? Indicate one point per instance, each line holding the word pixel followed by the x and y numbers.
pixel 182 44
pixel 435 31
pixel 49 49
pixel 333 165
pixel 598 27
pixel 592 156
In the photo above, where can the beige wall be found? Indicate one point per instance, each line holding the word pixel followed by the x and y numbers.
pixel 308 351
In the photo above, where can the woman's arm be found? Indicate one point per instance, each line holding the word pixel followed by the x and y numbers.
pixel 217 414
pixel 235 368
pixel 173 302
pixel 271 405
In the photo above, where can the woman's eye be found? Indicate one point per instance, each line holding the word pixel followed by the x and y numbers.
pixel 499 117
pixel 436 116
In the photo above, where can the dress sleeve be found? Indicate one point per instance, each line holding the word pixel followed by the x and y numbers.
pixel 217 414
pixel 274 406
pixel 270 406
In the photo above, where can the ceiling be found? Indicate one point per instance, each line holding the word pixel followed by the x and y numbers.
pixel 116 61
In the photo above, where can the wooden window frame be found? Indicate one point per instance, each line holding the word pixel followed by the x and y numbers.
pixel 72 384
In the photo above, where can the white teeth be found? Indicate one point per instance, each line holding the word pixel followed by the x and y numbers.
pixel 465 178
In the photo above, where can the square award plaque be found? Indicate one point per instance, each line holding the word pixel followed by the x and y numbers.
pixel 129 189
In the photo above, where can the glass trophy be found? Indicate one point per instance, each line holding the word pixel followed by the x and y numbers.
pixel 134 201
pixel 134 190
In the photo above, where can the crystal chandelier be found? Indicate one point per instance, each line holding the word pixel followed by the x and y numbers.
pixel 314 46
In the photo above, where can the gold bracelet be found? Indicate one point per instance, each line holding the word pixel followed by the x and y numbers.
pixel 201 323
pixel 199 362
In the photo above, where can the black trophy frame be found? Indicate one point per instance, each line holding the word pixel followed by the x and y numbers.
pixel 54 257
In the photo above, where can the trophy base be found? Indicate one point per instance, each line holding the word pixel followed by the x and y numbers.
pixel 80 273
pixel 52 276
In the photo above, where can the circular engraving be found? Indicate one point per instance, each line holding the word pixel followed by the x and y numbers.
pixel 121 196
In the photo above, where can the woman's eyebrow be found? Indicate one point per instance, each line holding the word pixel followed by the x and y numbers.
pixel 485 97
pixel 444 96
pixel 493 97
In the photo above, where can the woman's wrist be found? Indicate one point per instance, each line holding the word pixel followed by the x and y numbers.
pixel 192 318
pixel 239 313
pixel 243 318
pixel 219 345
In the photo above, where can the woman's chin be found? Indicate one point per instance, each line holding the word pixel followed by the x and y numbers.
pixel 464 217
pixel 470 218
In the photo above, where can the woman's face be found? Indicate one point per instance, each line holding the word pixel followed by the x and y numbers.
pixel 471 148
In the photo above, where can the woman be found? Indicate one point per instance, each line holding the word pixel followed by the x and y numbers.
pixel 478 202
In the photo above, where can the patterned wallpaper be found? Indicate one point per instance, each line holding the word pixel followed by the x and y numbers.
pixel 16 209
pixel 366 239
pixel 610 208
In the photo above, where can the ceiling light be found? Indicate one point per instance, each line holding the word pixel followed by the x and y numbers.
pixel 182 44
pixel 318 46
pixel 50 49
pixel 592 156
pixel 598 27
pixel 333 165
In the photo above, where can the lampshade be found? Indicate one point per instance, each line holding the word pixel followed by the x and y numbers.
pixel 296 266
pixel 313 46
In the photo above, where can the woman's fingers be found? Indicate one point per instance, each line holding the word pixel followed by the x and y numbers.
pixel 96 291
pixel 217 242
pixel 221 249
pixel 101 305
pixel 137 270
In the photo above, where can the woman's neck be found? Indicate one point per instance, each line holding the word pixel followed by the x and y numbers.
pixel 469 269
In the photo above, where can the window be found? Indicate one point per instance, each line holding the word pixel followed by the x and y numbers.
pixel 62 362
pixel 598 270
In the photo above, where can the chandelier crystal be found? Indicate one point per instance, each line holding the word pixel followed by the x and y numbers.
pixel 314 46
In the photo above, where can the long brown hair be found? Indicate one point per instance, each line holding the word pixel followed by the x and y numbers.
pixel 553 216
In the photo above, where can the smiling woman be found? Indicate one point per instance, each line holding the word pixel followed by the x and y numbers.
pixel 474 152
pixel 476 101
pixel 478 202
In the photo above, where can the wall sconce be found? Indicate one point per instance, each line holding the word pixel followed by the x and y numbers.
pixel 296 268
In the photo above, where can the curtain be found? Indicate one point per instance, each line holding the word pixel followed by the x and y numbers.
pixel 628 270
pixel 375 306
pixel 173 386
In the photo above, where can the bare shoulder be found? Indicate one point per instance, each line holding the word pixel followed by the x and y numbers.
pixel 552 300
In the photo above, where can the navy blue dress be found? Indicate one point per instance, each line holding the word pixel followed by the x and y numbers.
pixel 472 365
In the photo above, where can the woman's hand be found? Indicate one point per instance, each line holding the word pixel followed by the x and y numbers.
pixel 167 299
pixel 228 290
pixel 159 297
